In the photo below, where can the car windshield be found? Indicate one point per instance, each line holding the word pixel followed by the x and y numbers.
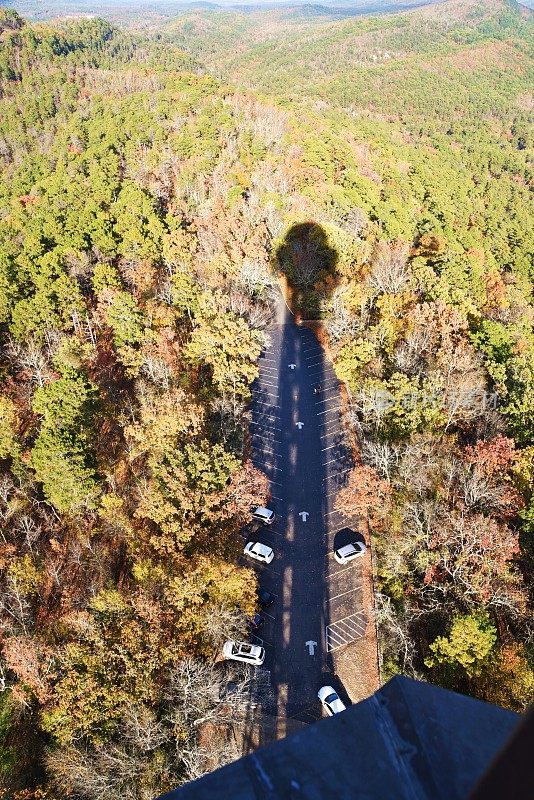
pixel 331 698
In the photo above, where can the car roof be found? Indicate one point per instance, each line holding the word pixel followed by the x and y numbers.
pixel 337 704
pixel 251 649
pixel 259 547
pixel 261 511
pixel 348 548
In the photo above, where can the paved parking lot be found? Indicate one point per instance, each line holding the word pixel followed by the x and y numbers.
pixel 297 440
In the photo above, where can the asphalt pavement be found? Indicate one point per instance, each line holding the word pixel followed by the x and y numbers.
pixel 297 440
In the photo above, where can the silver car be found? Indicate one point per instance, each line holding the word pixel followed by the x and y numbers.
pixel 264 515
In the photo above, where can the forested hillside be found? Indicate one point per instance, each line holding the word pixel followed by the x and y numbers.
pixel 428 307
pixel 143 203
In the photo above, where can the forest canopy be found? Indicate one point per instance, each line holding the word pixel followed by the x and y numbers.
pixel 143 202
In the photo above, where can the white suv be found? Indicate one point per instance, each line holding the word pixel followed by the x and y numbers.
pixel 350 551
pixel 263 515
pixel 241 651
pixel 260 552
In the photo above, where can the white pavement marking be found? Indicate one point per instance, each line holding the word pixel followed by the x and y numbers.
pixel 269 405
pixel 299 425
pixel 262 436
pixel 326 399
pixel 330 446
pixel 328 411
pixel 311 647
pixel 272 385
pixel 334 511
pixel 260 449
pixel 330 427
pixel 323 368
pixel 344 631
pixel 339 571
pixel 264 391
pixel 304 515
pixel 334 382
pixel 342 594
pixel 333 634
pixel 333 475
pixel 265 427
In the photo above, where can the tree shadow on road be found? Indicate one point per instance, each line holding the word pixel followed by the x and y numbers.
pixel 307 259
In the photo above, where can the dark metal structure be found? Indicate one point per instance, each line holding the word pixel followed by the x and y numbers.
pixel 409 741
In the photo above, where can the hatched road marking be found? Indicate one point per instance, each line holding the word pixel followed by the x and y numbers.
pixel 345 630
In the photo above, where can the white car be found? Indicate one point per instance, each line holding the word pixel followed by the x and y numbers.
pixel 264 515
pixel 242 651
pixel 350 551
pixel 330 700
pixel 259 551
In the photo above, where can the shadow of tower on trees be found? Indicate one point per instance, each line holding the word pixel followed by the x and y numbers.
pixel 309 263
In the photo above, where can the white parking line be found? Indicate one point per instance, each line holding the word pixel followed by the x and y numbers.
pixel 268 466
pixel 266 427
pixel 274 483
pixel 339 572
pixel 328 411
pixel 332 461
pixel 269 405
pixel 262 436
pixel 327 425
pixel 335 383
pixel 262 450
pixel 264 383
pixel 326 367
pixel 333 475
pixel 327 399
pixel 330 446
pixel 349 591
pixel 334 511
